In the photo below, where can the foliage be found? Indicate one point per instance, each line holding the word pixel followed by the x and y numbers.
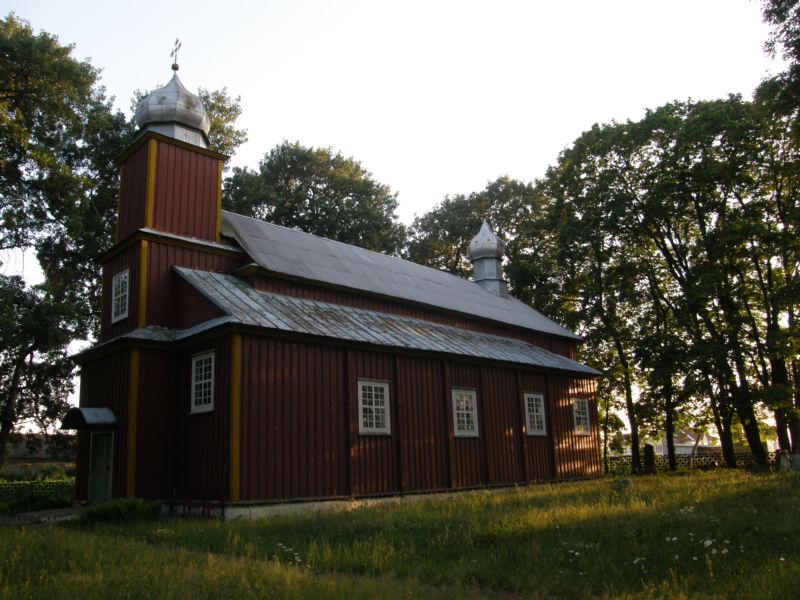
pixel 222 110
pixel 657 537
pixel 58 138
pixel 25 496
pixel 121 510
pixel 440 238
pixel 319 192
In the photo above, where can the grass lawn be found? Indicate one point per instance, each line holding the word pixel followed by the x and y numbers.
pixel 706 535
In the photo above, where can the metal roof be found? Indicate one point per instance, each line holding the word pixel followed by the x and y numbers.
pixel 88 418
pixel 247 306
pixel 298 254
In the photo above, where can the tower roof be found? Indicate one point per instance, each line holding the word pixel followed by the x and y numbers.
pixel 486 244
pixel 174 111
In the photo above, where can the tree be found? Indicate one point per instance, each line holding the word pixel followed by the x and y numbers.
pixel 59 141
pixel 35 371
pixel 440 238
pixel 320 192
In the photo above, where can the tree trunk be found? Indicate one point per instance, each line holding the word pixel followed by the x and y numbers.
pixel 782 429
pixel 794 415
pixel 630 407
pixel 8 411
pixel 605 439
pixel 669 425
pixel 722 421
pixel 747 416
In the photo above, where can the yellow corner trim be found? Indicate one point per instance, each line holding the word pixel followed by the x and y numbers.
pixel 150 194
pixel 133 401
pixel 143 264
pixel 236 418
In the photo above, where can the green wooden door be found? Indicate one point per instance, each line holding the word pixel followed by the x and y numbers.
pixel 100 466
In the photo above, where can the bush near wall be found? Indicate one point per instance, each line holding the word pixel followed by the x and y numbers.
pixel 19 496
pixel 621 465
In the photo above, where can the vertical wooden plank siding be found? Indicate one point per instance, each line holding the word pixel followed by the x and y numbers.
pixel 128 258
pixel 234 493
pixel 422 428
pixel 576 456
pixel 538 447
pixel 186 192
pixel 133 400
pixel 373 460
pixel 133 190
pixel 157 424
pixel 467 468
pixel 292 419
pixel 152 161
pixel 161 305
pixel 105 383
pixel 195 308
pixel 204 438
pixel 219 200
pixel 141 311
pixel 501 427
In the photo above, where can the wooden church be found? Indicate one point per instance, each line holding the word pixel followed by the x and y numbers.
pixel 245 363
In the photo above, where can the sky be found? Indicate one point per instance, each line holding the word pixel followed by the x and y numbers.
pixel 433 98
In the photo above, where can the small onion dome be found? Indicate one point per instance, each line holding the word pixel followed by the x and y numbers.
pixel 486 244
pixel 173 104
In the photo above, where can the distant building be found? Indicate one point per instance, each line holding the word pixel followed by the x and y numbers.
pixel 244 362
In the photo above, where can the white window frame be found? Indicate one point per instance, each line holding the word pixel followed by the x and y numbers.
pixel 531 400
pixel 470 414
pixel 123 297
pixel 580 416
pixel 366 404
pixel 199 385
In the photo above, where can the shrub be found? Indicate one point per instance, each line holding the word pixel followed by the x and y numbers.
pixel 121 510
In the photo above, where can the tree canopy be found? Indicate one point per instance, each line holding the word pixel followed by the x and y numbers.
pixel 320 192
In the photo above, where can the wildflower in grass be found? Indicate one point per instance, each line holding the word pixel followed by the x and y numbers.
pixel 638 559
pixel 707 543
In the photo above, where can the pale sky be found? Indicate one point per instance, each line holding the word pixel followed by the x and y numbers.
pixel 434 97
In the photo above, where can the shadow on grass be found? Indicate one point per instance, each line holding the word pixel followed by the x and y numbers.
pixel 730 534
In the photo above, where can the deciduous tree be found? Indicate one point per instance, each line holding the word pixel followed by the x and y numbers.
pixel 318 191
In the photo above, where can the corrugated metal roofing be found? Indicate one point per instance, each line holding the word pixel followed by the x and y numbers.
pixel 298 254
pixel 248 306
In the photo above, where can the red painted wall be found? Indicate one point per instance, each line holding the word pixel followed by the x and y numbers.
pixel 185 192
pixel 294 427
pixel 104 383
pixel 133 187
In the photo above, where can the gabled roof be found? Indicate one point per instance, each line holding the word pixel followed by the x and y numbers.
pixel 309 257
pixel 244 305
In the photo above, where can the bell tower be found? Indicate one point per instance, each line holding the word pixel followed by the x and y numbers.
pixel 169 210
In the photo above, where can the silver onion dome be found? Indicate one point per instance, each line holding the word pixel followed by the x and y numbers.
pixel 486 244
pixel 175 112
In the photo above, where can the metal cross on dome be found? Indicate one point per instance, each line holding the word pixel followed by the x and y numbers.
pixel 174 54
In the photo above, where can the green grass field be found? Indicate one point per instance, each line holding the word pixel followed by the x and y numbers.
pixel 710 535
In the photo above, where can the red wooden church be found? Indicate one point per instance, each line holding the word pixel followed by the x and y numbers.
pixel 244 362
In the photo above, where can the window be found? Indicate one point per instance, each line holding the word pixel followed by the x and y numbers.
pixel 534 414
pixel 580 412
pixel 465 413
pixel 119 295
pixel 373 408
pixel 203 382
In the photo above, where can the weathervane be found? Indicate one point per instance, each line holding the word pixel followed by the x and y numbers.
pixel 174 54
